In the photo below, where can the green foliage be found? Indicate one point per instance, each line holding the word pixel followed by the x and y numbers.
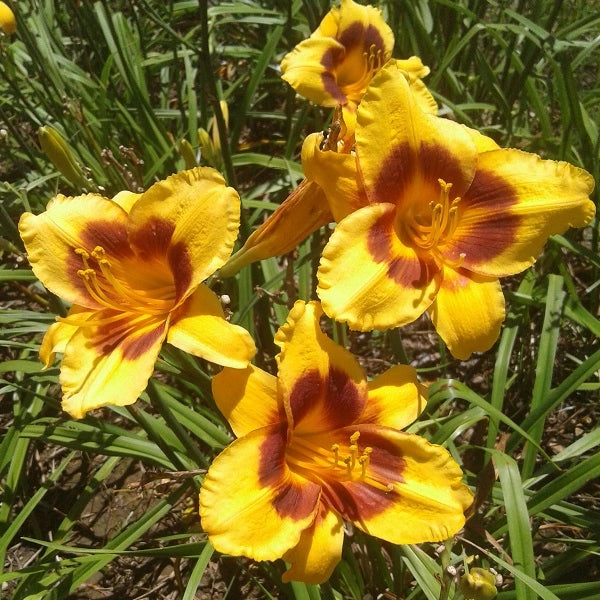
pixel 125 84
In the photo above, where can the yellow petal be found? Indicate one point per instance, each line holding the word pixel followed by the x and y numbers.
pixel 323 385
pixel 126 199
pixel 304 70
pixel 319 550
pixel 192 218
pixel 368 278
pixel 247 398
pixel 52 237
pixel 416 70
pixel 483 143
pixel 414 67
pixel 336 173
pixel 300 214
pixel 110 363
pixel 402 151
pixel 468 312
pixel 58 335
pixel 423 98
pixel 516 201
pixel 251 504
pixel 329 25
pixel 396 398
pixel 199 327
pixel 419 497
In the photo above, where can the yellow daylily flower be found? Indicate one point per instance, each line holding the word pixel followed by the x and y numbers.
pixel 447 213
pixel 8 22
pixel 132 267
pixel 318 445
pixel 334 66
pixel 308 207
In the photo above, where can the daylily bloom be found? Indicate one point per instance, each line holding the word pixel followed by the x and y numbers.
pixel 334 66
pixel 132 267
pixel 308 208
pixel 447 213
pixel 318 445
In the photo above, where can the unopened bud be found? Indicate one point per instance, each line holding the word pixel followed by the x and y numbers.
pixel 56 149
pixel 187 152
pixel 208 152
pixel 478 584
pixel 215 128
pixel 8 23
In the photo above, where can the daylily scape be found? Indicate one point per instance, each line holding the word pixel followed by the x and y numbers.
pixel 132 266
pixel 318 445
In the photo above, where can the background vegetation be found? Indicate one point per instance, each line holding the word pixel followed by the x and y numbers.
pixel 106 507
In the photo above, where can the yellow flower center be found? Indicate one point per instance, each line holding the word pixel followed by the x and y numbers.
pixel 358 69
pixel 431 230
pixel 308 458
pixel 108 291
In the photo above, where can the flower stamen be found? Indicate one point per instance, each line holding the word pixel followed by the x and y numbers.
pixel 336 453
pixel 364 460
pixel 108 291
pixel 442 222
pixel 90 281
pixel 307 456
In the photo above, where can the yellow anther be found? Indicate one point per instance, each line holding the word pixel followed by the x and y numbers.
pixel 348 461
pixel 82 273
pixel 365 459
pixel 442 222
pixel 354 437
pixel 445 186
pixel 336 452
pixel 98 253
pixel 353 452
pixel 82 252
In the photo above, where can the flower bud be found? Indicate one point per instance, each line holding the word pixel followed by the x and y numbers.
pixel 215 129
pixel 8 23
pixel 208 152
pixel 299 215
pixel 478 584
pixel 187 152
pixel 56 149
